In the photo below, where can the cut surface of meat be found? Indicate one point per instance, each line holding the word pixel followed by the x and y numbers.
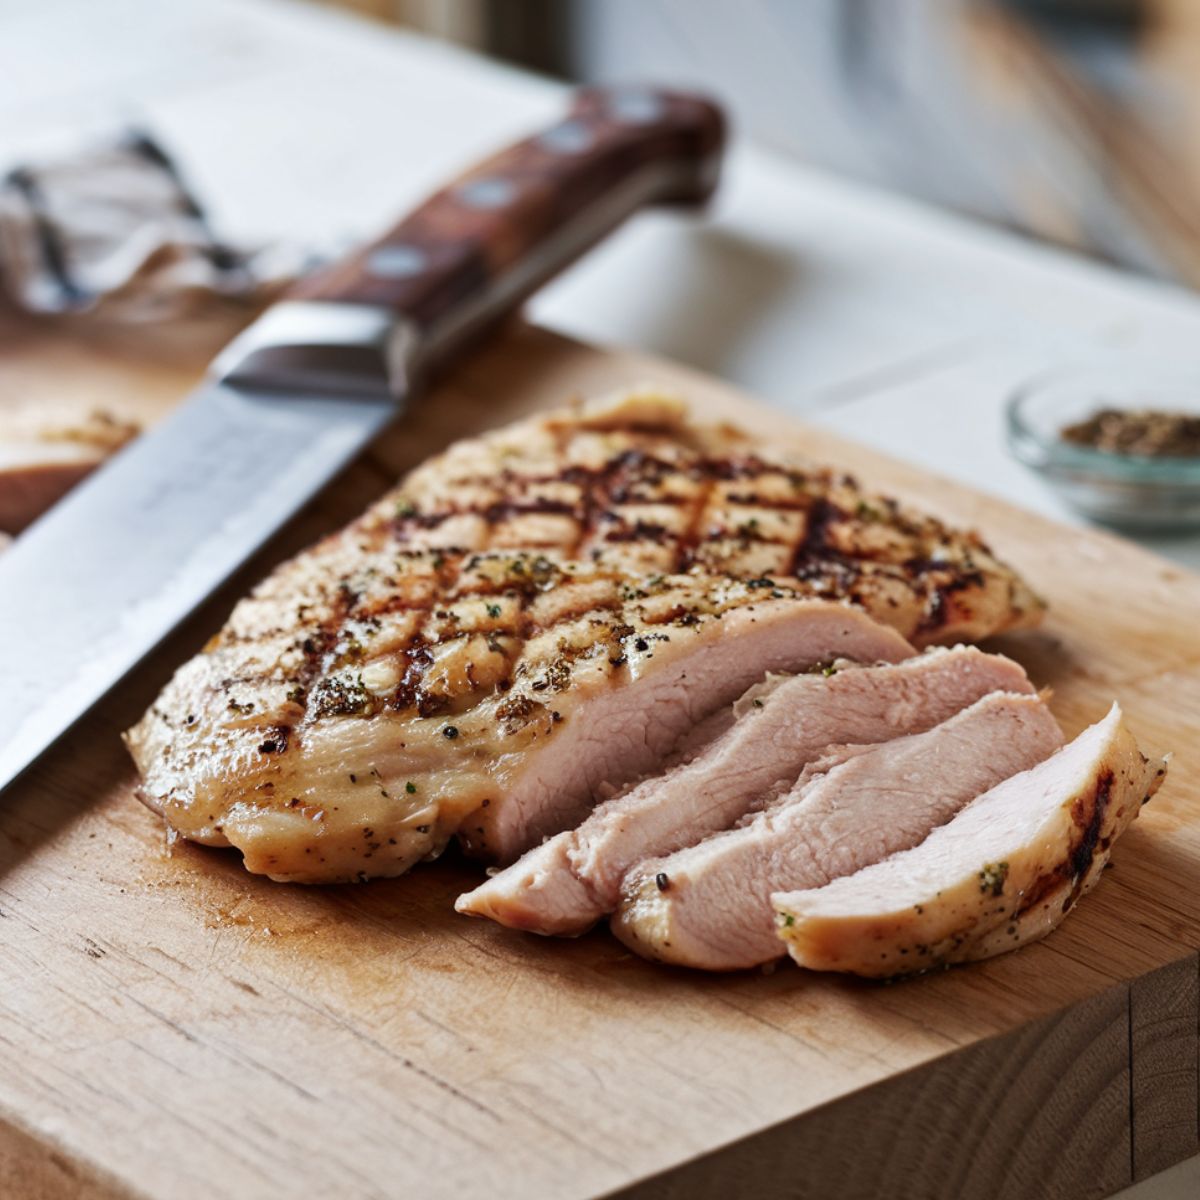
pixel 620 733
pixel 422 666
pixel 1004 871
pixel 570 881
pixel 710 905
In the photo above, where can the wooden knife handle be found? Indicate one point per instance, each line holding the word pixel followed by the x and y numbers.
pixel 475 249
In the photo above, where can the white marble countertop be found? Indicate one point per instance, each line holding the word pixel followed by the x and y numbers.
pixel 891 322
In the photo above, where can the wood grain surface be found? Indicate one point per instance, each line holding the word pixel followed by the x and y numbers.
pixel 172 1027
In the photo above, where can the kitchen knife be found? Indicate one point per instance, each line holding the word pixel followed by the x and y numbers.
pixel 89 589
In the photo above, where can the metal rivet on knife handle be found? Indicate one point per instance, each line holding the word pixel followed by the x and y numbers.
pixel 487 193
pixel 636 106
pixel 569 137
pixel 397 261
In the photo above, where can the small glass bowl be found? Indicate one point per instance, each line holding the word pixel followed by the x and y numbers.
pixel 1119 489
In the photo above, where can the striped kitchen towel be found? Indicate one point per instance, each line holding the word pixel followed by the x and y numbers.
pixel 116 230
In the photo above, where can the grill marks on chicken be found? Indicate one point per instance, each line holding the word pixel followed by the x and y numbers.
pixel 1004 871
pixel 632 485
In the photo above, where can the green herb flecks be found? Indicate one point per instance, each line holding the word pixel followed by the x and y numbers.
pixel 992 877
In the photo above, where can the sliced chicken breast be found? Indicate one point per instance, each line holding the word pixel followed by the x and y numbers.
pixel 710 906
pixel 570 881
pixel 1004 871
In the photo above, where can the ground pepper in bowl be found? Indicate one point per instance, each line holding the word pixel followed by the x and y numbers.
pixel 1141 433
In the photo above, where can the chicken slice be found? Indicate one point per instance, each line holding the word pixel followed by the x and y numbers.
pixel 610 735
pixel 1004 871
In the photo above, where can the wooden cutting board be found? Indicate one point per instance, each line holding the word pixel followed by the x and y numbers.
pixel 172 1027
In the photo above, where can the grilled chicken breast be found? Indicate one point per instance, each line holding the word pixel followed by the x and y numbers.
pixel 710 905
pixel 1004 871
pixel 528 619
pixel 573 879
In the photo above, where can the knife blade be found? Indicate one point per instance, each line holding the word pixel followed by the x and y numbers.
pixel 94 585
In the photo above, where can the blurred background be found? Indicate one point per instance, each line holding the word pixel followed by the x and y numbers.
pixel 1075 121
pixel 179 163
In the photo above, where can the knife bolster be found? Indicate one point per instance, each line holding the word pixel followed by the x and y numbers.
pixel 323 347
